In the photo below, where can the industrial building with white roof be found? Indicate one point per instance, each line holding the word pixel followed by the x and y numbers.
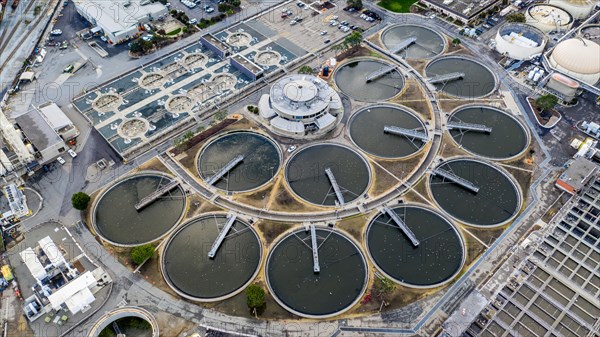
pixel 299 104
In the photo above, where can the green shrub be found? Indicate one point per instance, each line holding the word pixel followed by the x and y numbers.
pixel 142 253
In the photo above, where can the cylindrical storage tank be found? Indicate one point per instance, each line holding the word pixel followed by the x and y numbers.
pixel 520 41
pixel 563 85
pixel 580 9
pixel 578 58
pixel 548 18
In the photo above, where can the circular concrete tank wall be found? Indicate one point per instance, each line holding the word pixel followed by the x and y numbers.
pixel 428 43
pixel 306 173
pixel 367 131
pixel 352 78
pixel 508 137
pixel 260 163
pixel 436 259
pixel 338 285
pixel 189 270
pixel 497 200
pixel 117 220
pixel 476 80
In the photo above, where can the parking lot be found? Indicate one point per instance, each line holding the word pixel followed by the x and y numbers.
pixel 314 27
pixel 197 12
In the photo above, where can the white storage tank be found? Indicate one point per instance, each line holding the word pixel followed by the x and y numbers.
pixel 548 18
pixel 578 58
pixel 520 41
pixel 579 9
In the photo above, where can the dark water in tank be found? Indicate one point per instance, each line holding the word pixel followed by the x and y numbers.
pixel 507 138
pixel 496 201
pixel 351 79
pixel 191 271
pixel 119 221
pixel 437 257
pixel 339 283
pixel 366 129
pixel 478 80
pixel 261 160
pixel 428 43
pixel 307 178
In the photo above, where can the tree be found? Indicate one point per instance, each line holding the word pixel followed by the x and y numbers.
pixel 255 296
pixel 456 42
pixel 515 17
pixel 142 253
pixel 337 48
pixel 80 201
pixel 140 46
pixel 306 70
pixel 353 39
pixel 384 286
pixel 356 4
pixel 546 102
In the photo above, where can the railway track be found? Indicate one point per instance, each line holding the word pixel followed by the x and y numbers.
pixel 5 41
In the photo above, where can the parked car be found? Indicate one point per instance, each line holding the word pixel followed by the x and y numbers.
pixel 61 160
pixel 68 68
pixel 209 10
pixel 327 41
pixel 324 32
pixel 64 45
pixel 291 148
pixel 72 153
pixel 103 38
pixel 293 22
pixel 56 32
pixel 193 21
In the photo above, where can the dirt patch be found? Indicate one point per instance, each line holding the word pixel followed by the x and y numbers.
pixel 170 325
pixel 357 52
pixel 270 230
pixel 355 226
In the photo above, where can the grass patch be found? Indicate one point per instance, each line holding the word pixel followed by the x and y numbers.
pixel 398 6
pixel 174 32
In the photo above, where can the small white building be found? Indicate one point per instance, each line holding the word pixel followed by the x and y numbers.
pixel 299 104
pixel 58 120
pixel 34 265
pixel 76 295
pixel 120 20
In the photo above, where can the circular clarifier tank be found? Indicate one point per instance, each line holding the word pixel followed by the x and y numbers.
pixel 190 271
pixel 306 173
pixel 424 42
pixel 466 78
pixel 353 79
pixel 508 138
pixel 125 321
pixel 117 220
pixel 337 286
pixel 260 161
pixel 367 131
pixel 496 200
pixel 435 258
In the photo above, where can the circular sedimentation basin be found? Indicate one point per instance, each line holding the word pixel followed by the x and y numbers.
pixel 189 270
pixel 478 80
pixel 351 79
pixel 496 202
pixel 338 285
pixel 508 138
pixel 437 258
pixel 367 131
pixel 261 160
pixel 130 321
pixel 306 173
pixel 117 221
pixel 428 44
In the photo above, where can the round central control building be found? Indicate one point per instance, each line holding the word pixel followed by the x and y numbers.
pixel 299 104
